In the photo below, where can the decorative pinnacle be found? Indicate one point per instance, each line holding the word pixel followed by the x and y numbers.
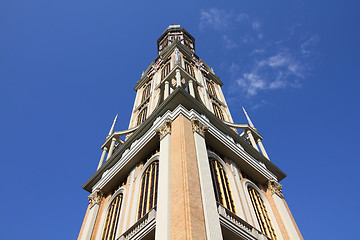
pixel 248 118
pixel 113 126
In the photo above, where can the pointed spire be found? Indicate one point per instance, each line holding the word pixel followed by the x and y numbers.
pixel 113 126
pixel 248 118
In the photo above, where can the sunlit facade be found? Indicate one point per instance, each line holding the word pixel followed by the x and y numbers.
pixel 183 169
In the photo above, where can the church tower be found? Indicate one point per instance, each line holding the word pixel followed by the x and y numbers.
pixel 183 169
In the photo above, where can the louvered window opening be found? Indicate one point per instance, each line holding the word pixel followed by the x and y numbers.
pixel 218 112
pixel 165 71
pixel 146 93
pixel 211 89
pixel 262 214
pixel 148 192
pixel 142 116
pixel 112 218
pixel 221 185
pixel 189 69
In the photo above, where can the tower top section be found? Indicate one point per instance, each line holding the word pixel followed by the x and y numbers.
pixel 175 33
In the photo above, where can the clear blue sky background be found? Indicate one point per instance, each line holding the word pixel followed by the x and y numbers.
pixel 68 67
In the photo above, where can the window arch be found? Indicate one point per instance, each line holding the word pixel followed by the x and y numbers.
pixel 218 112
pixel 189 69
pixel 142 116
pixel 165 71
pixel 112 218
pixel 148 191
pixel 211 89
pixel 221 185
pixel 262 214
pixel 145 93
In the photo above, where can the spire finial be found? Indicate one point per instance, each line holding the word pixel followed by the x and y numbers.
pixel 248 118
pixel 113 126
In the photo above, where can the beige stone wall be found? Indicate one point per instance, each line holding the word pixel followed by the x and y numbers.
pixel 187 217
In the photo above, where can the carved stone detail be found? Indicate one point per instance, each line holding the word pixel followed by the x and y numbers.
pixel 275 188
pixel 164 129
pixel 95 197
pixel 199 127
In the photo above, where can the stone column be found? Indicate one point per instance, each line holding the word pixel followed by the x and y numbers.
pixel 112 146
pixel 262 148
pixel 191 88
pixel 163 212
pixel 252 140
pixel 94 200
pixel 166 90
pixel 178 77
pixel 212 224
pixel 187 214
pixel 287 219
pixel 102 158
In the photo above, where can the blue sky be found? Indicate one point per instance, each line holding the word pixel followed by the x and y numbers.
pixel 68 67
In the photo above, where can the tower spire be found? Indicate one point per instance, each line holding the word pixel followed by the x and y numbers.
pixel 248 118
pixel 113 126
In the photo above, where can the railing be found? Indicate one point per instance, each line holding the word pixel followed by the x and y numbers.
pixel 240 223
pixel 141 227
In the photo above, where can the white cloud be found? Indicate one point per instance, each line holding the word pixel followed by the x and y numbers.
pixel 273 63
pixel 278 71
pixel 215 18
pixel 228 43
pixel 220 20
pixel 256 25
pixel 308 43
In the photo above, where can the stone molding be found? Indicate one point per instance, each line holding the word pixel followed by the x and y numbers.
pixel 171 115
pixel 198 127
pixel 164 129
pixel 275 188
pixel 95 197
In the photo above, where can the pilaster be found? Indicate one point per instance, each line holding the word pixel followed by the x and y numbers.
pixel 94 201
pixel 187 218
pixel 163 215
pixel 211 216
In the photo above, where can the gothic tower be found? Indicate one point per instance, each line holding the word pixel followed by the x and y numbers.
pixel 183 169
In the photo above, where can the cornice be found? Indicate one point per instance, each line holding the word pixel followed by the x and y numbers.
pixel 142 136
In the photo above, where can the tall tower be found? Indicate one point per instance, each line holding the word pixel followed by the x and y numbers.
pixel 183 169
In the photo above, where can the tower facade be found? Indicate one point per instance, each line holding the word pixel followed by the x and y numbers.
pixel 183 169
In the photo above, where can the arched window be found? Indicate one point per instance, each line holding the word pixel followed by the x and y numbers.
pixel 112 218
pixel 146 93
pixel 218 112
pixel 142 116
pixel 262 214
pixel 165 71
pixel 211 88
pixel 189 69
pixel 148 192
pixel 221 185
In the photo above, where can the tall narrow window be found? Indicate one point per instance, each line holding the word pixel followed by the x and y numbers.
pixel 189 69
pixel 146 93
pixel 112 218
pixel 262 214
pixel 165 71
pixel 142 116
pixel 218 112
pixel 211 88
pixel 164 44
pixel 148 193
pixel 221 185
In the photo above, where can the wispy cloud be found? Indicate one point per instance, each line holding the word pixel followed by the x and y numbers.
pixel 266 64
pixel 228 43
pixel 277 71
pixel 308 43
pixel 219 19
